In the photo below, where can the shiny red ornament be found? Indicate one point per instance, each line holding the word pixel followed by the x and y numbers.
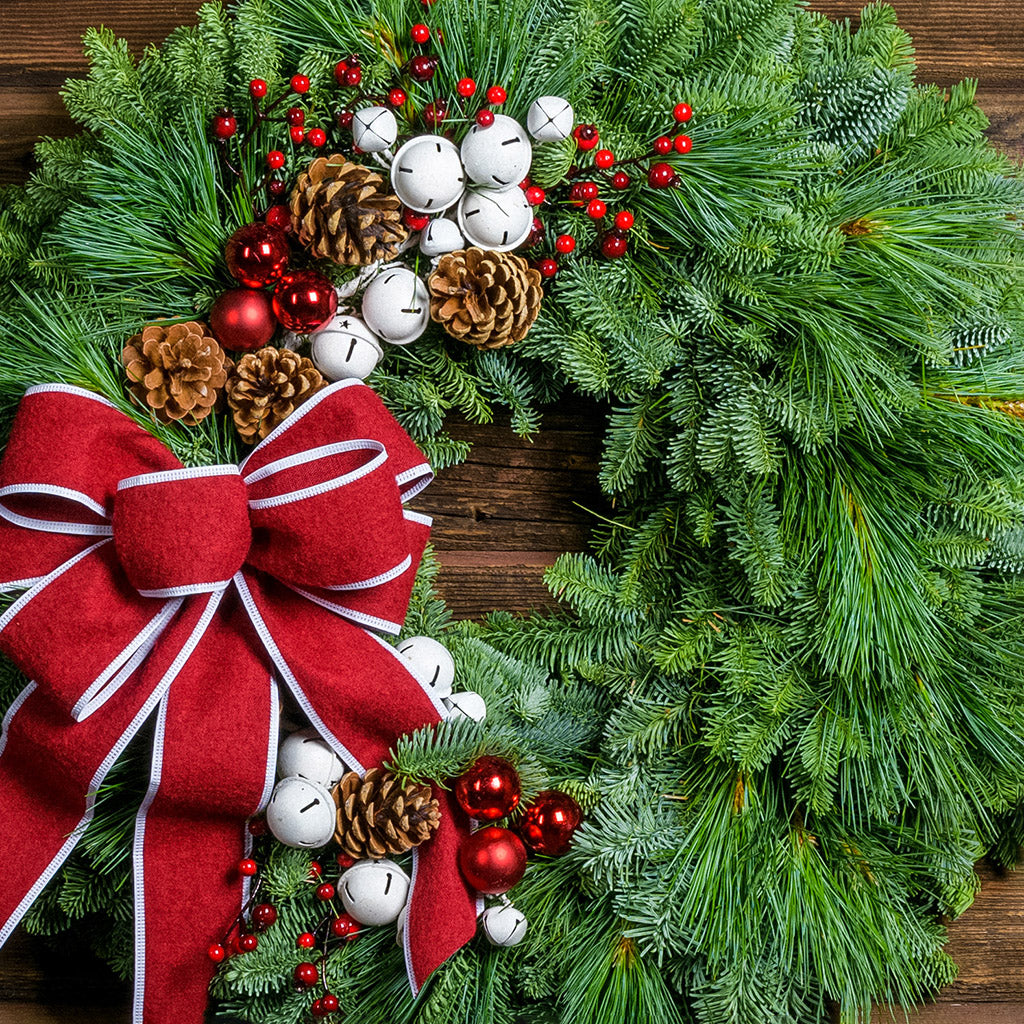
pixel 604 158
pixel 466 87
pixel 339 71
pixel 264 915
pixel 344 861
pixel 247 867
pixel 317 1009
pixel 547 267
pixel 257 254
pixel 614 245
pixel 275 159
pixel 298 134
pixel 242 319
pixel 434 113
pixel 306 974
pixel 415 221
pixel 345 118
pixel 224 125
pixel 217 953
pixel 316 137
pixel 422 68
pixel 565 244
pixel 276 187
pixel 279 217
pixel 596 209
pixel 496 95
pixel 304 300
pixel 624 220
pixel 353 76
pixel 396 97
pixel 325 892
pixel 315 870
pixel 492 860
pixel 682 112
pixel 307 940
pixel 552 819
pixel 248 943
pixel 661 176
pixel 662 145
pixel 683 143
pixel 535 195
pixel 484 118
pixel 295 116
pixel 345 926
pixel 621 180
pixel 489 789
pixel 257 88
pixel 586 136
pixel 420 34
pixel 588 190
pixel 329 1002
pixel 300 84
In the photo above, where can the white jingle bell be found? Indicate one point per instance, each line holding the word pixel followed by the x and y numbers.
pixel 306 755
pixel 499 155
pixel 466 704
pixel 374 129
pixel 503 925
pixel 430 663
pixel 427 174
pixel 441 235
pixel 550 118
pixel 301 813
pixel 400 927
pixel 374 891
pixel 496 220
pixel 345 348
pixel 396 306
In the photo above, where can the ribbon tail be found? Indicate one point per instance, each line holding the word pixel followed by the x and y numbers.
pixel 214 754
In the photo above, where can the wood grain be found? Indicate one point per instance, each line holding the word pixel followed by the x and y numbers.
pixel 505 515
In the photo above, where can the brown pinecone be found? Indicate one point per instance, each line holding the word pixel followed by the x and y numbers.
pixel 266 388
pixel 176 370
pixel 378 816
pixel 343 213
pixel 489 299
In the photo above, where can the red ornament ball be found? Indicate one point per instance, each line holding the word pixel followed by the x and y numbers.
pixel 257 254
pixel 683 143
pixel 484 118
pixel 224 125
pixel 434 113
pixel 396 97
pixel 422 68
pixel 489 789
pixel 345 926
pixel 614 245
pixel 586 136
pixel 536 233
pixel 295 116
pixel 339 71
pixel 329 1002
pixel 217 953
pixel 257 88
pixel 621 180
pixel 588 190
pixel 661 176
pixel 552 819
pixel 420 34
pixel 415 221
pixel 276 187
pixel 315 871
pixel 623 220
pixel 345 118
pixel 242 319
pixel 307 940
pixel 662 145
pixel 492 860
pixel 596 209
pixel 344 861
pixel 466 87
pixel 682 112
pixel 247 867
pixel 565 244
pixel 306 974
pixel 496 95
pixel 248 943
pixel 316 137
pixel 604 158
pixel 325 892
pixel 304 300
pixel 300 84
pixel 535 195
pixel 279 217
pixel 548 268
pixel 353 76
pixel 275 159
pixel 317 1009
pixel 264 915
pixel 297 133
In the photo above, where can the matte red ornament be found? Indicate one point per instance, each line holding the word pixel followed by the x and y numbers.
pixel 682 112
pixel 604 158
pixel 248 943
pixel 325 892
pixel 257 88
pixel 247 867
pixel 307 940
pixel 661 176
pixel 257 254
pixel 552 819
pixel 492 860
pixel 304 300
pixel 621 180
pixel 420 34
pixel 217 953
pixel 596 209
pixel 683 143
pixel 345 926
pixel 565 244
pixel 300 83
pixel 496 95
pixel 484 118
pixel 466 87
pixel 306 974
pixel 662 145
pixel 396 97
pixel 242 319
pixel 489 789
pixel 422 68
pixel 547 267
pixel 264 915
pixel 316 137
pixel 224 125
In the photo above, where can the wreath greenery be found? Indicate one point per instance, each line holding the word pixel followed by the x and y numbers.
pixel 788 686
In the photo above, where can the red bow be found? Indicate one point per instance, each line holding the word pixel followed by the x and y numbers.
pixel 218 579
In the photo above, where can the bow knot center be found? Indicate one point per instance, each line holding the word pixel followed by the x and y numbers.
pixel 183 531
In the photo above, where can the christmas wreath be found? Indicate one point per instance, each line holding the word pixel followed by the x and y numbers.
pixel 746 772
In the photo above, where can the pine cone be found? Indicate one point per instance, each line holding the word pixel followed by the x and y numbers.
pixel 342 212
pixel 378 816
pixel 488 299
pixel 177 370
pixel 266 388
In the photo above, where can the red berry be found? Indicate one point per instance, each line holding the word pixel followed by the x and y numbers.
pixel 247 867
pixel 604 158
pixel 434 113
pixel 621 180
pixel 662 145
pixel 306 974
pixel 588 191
pixel 275 158
pixel 295 116
pixel 565 244
pixel 257 88
pixel 614 245
pixel 317 1009
pixel 422 68
pixel 339 71
pixel 415 221
pixel 396 97
pixel 345 926
pixel 300 83
pixel 279 217
pixel 660 176
pixel 547 268
pixel 534 195
pixel 596 209
pixel 683 143
pixel 484 118
pixel 623 220
pixel 496 95
pixel 345 119
pixel 353 76
pixel 217 953
pixel 258 826
pixel 329 1002
pixel 325 892
pixel 307 940
pixel 345 861
pixel 316 137
pixel 586 136
pixel 466 87
pixel 420 34
pixel 536 233
pixel 298 134
pixel 224 126
pixel 682 112
pixel 248 943
pixel 264 914
pixel 314 868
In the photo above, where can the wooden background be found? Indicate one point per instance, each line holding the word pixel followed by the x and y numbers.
pixel 515 505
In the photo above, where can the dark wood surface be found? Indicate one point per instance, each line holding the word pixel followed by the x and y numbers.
pixel 515 505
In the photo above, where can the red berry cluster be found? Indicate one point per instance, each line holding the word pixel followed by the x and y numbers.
pixel 256 917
